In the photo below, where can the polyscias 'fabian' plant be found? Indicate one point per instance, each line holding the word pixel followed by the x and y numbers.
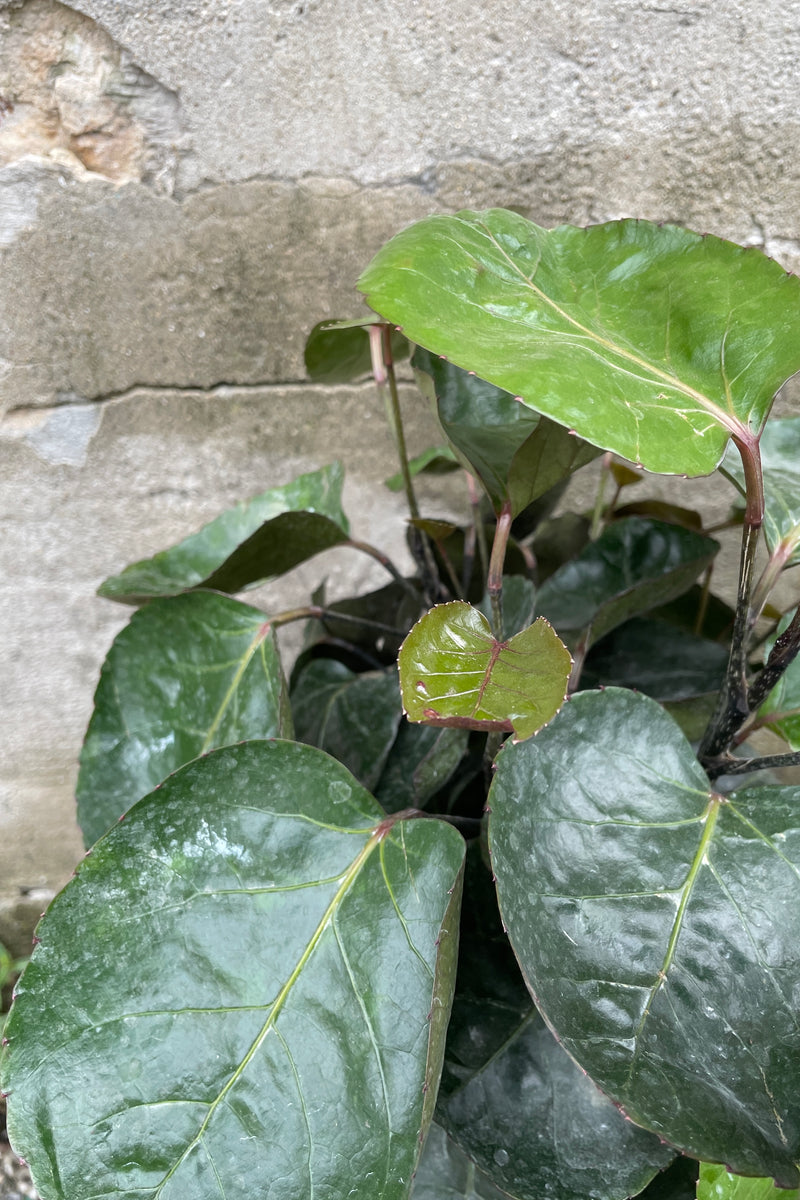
pixel 254 986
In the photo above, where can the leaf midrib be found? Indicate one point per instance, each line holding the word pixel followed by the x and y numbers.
pixel 710 818
pixel 260 636
pixel 729 422
pixel 349 877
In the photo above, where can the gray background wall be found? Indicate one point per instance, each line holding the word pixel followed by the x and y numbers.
pixel 187 186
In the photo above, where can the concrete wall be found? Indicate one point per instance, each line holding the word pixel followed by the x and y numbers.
pixel 187 186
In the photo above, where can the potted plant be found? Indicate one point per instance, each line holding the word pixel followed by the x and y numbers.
pixel 517 926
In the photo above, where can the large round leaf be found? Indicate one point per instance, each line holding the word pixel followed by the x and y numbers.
pixel 454 672
pixel 646 339
pixel 511 1097
pixel 243 992
pixel 658 926
pixel 186 675
pixel 256 539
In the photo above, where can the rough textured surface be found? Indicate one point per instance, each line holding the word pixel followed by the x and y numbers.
pixel 111 288
pixel 185 189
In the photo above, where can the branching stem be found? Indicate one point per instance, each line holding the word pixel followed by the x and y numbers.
pixel 316 612
pixel 727 765
pixel 732 708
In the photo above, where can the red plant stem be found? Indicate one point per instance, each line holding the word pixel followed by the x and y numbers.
pixel 494 581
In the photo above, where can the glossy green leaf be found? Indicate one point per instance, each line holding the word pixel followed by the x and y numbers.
pixel 419 763
pixel 353 717
pixel 445 1173
pixel 338 351
pixel 633 566
pixel 243 992
pixel 436 460
pixel 511 1098
pixel 781 709
pixel 780 463
pixel 454 672
pixel 658 926
pixel 656 658
pixel 255 540
pixel 715 1183
pixel 187 674
pixel 648 340
pixel 516 454
pixel 557 541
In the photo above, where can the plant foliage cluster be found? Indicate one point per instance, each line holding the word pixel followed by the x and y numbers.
pixel 517 926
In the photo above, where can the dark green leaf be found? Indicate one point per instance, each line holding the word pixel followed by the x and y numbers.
pixel 234 996
pixel 516 454
pixel 391 605
pixel 454 672
pixel 662 510
pixel 353 717
pixel 780 462
pixel 715 1183
pixel 781 709
pixel 656 658
pixel 538 1126
pixel 186 675
pixel 633 566
pixel 559 539
pixel 445 1173
pixel 436 460
pixel 338 351
pixel 649 340
pixel 255 540
pixel 658 926
pixel 511 1097
pixel 419 763
pixel 684 610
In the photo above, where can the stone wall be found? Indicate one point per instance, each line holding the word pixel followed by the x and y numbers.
pixel 187 186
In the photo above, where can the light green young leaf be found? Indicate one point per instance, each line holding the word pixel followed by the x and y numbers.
pixel 454 672
pixel 715 1183
pixel 186 675
pixel 338 351
pixel 658 925
pixel 648 340
pixel 254 540
pixel 243 992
